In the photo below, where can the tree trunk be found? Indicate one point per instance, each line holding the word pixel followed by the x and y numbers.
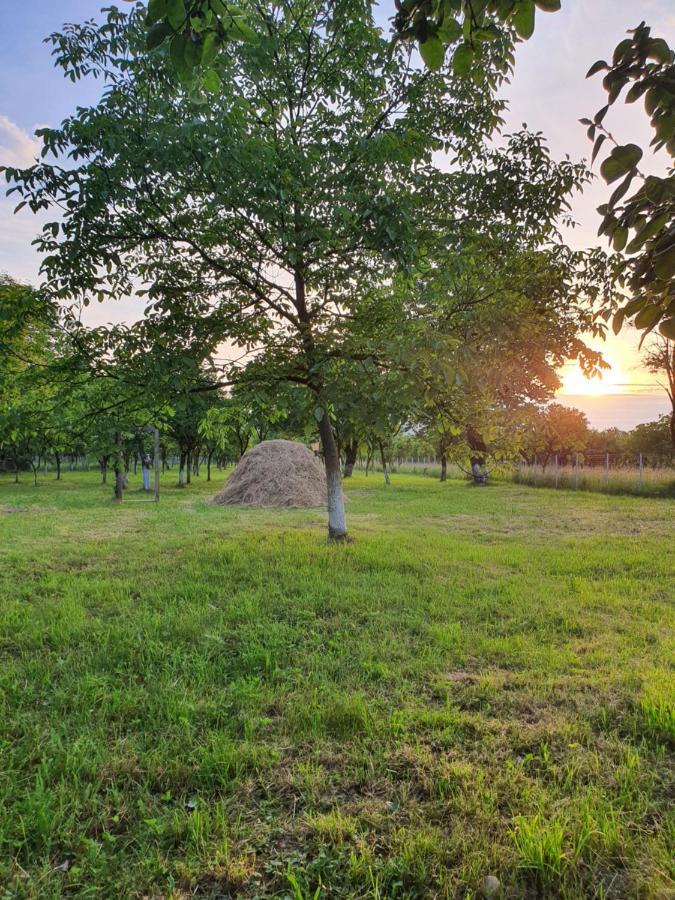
pixel 337 522
pixel 57 460
pixel 188 467
pixel 208 465
pixel 351 451
pixel 181 469
pixel 385 470
pixel 444 467
pixel 118 492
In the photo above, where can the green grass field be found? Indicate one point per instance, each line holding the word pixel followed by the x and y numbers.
pixel 211 702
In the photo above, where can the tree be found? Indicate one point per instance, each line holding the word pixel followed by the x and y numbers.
pixel 29 420
pixel 561 430
pixel 660 359
pixel 509 314
pixel 652 440
pixel 641 227
pixel 262 214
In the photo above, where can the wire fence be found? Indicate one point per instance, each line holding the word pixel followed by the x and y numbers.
pixel 640 473
pixel 610 473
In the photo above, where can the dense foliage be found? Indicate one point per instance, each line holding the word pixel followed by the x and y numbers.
pixel 641 226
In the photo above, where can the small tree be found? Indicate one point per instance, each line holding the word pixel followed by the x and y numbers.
pixel 660 360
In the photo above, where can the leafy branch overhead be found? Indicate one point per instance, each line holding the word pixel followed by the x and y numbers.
pixel 444 30
pixel 641 227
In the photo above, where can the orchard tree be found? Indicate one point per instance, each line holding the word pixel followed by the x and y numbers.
pixel 659 359
pixel 561 430
pixel 509 316
pixel 652 440
pixel 262 213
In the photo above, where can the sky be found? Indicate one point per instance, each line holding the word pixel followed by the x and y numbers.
pixel 549 92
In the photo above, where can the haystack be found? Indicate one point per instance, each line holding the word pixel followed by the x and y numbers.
pixel 276 473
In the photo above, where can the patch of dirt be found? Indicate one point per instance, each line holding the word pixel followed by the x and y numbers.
pixel 276 474
pixel 8 510
pixel 460 677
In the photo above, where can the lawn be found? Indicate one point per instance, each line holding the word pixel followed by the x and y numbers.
pixel 212 702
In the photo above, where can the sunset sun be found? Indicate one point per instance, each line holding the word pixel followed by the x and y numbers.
pixel 611 381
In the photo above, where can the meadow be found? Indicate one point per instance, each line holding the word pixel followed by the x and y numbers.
pixel 215 702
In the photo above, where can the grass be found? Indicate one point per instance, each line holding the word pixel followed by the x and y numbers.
pixel 212 702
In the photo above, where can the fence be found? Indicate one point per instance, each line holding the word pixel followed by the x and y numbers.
pixel 611 473
pixel 639 473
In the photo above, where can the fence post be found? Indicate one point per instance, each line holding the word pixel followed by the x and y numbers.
pixel 606 469
pixel 641 472
pixel 557 470
pixel 576 472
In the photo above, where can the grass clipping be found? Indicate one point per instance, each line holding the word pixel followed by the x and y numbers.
pixel 276 473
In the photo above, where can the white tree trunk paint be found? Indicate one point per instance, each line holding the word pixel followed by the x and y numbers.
pixel 337 522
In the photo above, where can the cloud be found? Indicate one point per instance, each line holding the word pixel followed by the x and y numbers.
pixel 17 147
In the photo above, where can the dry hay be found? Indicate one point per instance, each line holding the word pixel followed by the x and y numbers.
pixel 276 473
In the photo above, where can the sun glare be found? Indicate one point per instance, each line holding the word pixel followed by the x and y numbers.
pixel 612 381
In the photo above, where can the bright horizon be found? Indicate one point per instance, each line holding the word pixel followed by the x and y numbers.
pixel 548 92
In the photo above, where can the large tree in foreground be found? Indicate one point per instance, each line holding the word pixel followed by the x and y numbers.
pixel 640 221
pixel 262 213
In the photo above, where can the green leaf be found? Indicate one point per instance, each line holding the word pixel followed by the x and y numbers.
pixel 176 14
pixel 156 11
pixel 212 82
pixel 239 30
pixel 211 47
pixel 548 5
pixel 193 52
pixel 463 59
pixel 177 53
pixel 620 161
pixel 318 413
pixel 619 238
pixel 629 155
pixel 449 30
pixel 523 19
pixel 648 231
pixel 597 67
pixel 621 190
pixel 433 53
pixel 648 316
pixel 617 321
pixel 157 35
pixel 659 50
pixel 488 33
pixel 664 263
pixel 667 328
pixel 596 147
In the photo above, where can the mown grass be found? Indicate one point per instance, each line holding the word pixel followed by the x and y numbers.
pixel 213 702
